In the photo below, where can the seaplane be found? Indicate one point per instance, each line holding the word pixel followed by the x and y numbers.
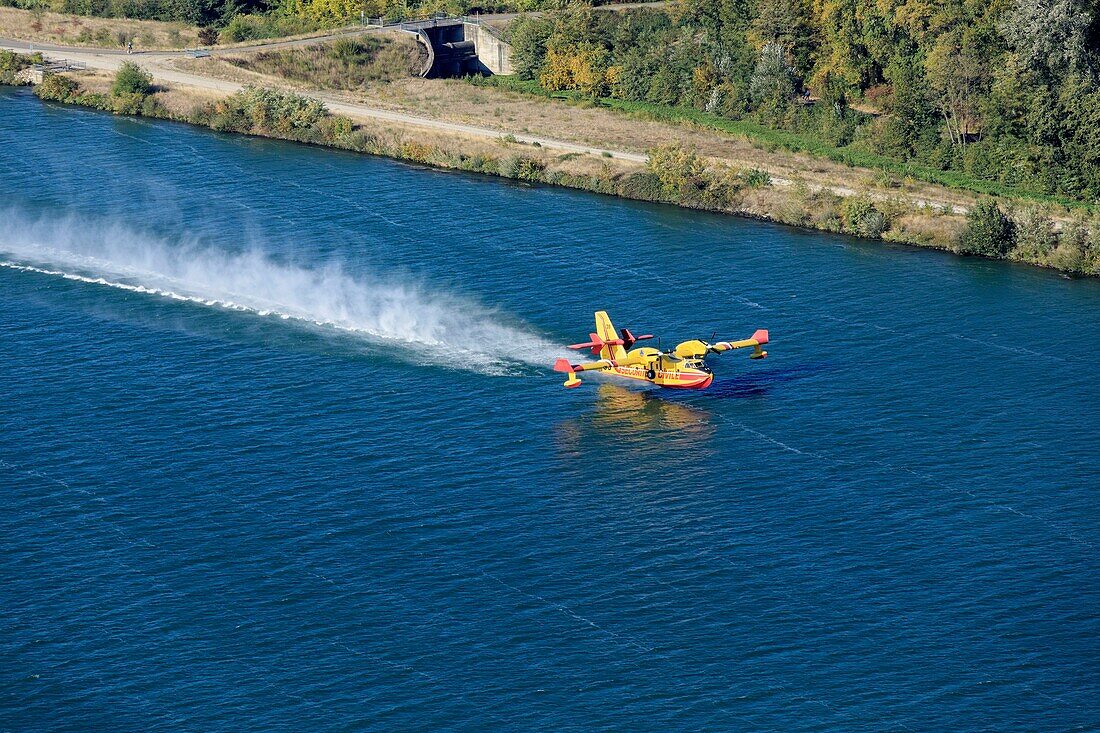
pixel 681 368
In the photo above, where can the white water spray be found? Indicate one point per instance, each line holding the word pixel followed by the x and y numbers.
pixel 413 321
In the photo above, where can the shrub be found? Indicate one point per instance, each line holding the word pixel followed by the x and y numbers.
pixel 676 167
pixel 343 64
pixel 334 127
pixel 127 103
pixel 530 169
pixel 756 178
pixel 259 110
pixel 861 217
pixel 253 27
pixel 988 232
pixel 208 36
pixel 10 65
pixel 643 186
pixel 56 88
pixel 1035 237
pixel 131 79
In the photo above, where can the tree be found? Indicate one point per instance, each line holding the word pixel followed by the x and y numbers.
pixel 528 37
pixel 843 54
pixel 911 114
pixel 788 23
pixel 988 232
pixel 773 79
pixel 131 79
pixel 1050 36
pixel 959 78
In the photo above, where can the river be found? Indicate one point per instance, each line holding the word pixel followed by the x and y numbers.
pixel 280 449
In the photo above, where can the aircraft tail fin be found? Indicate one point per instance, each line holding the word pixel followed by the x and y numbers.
pixel 613 344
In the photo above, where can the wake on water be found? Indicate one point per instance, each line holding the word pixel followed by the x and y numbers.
pixel 412 321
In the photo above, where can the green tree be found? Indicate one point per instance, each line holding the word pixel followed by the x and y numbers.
pixel 772 83
pixel 788 23
pixel 988 232
pixel 910 115
pixel 1050 36
pixel 529 37
pixel 131 79
pixel 959 77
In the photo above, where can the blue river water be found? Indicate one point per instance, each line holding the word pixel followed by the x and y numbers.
pixel 280 449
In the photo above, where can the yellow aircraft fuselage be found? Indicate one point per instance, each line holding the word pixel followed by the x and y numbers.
pixel 647 365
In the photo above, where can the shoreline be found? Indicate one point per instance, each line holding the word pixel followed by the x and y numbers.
pixel 727 192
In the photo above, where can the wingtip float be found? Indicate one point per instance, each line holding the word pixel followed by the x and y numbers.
pixel 682 368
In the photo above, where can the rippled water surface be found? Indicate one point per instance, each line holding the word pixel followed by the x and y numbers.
pixel 280 450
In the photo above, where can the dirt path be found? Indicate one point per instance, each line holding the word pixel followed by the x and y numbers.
pixel 159 64
pixel 155 64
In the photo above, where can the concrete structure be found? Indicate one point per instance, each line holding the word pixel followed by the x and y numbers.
pixel 493 52
pixel 457 47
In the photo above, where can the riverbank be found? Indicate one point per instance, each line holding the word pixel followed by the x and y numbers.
pixel 679 173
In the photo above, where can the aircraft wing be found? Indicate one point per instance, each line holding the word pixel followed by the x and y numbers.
pixel 758 339
pixel 696 349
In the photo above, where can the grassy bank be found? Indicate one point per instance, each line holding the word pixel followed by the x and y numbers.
pixel 347 63
pixel 775 139
pixel 674 175
pixel 74 30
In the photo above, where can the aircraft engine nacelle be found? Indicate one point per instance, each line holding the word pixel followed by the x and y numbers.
pixel 694 349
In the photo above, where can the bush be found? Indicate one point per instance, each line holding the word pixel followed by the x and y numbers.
pixel 517 166
pixel 56 88
pixel 756 178
pixel 127 103
pixel 861 217
pixel 1035 237
pixel 334 127
pixel 676 167
pixel 208 36
pixel 642 186
pixel 131 79
pixel 10 65
pixel 988 232
pixel 271 109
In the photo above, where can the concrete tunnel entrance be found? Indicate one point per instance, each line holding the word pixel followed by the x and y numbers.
pixel 459 48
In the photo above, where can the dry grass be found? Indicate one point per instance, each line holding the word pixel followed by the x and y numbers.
pixel 926 228
pixel 78 30
pixel 511 112
pixel 347 63
pixel 457 101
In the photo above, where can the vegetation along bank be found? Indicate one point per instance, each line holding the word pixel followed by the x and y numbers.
pixel 675 174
